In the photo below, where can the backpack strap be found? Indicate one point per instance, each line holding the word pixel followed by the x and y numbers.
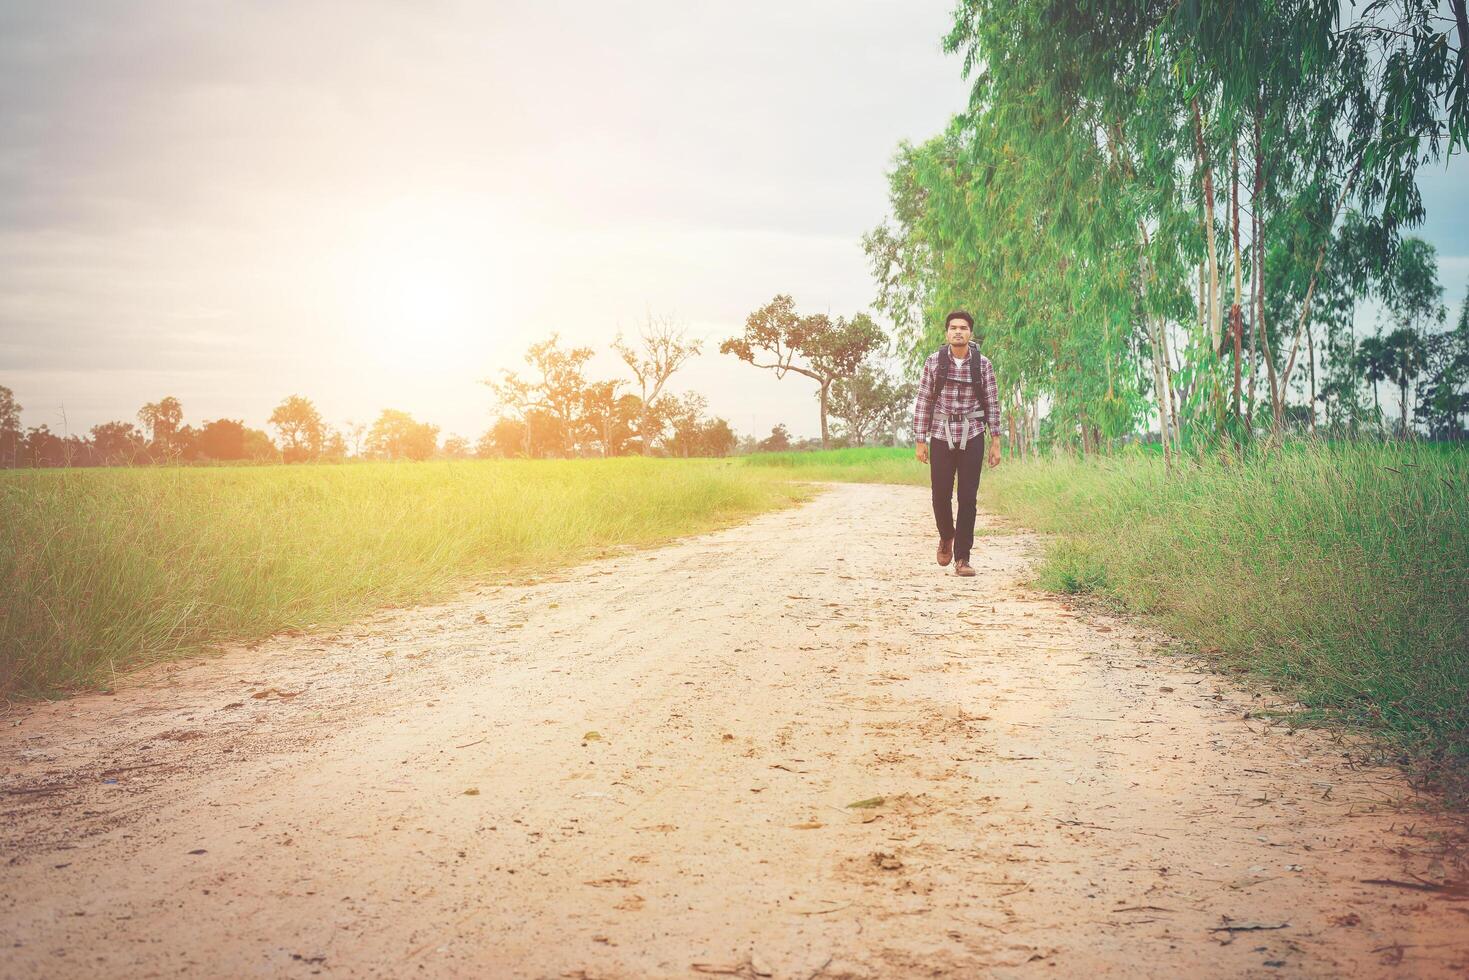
pixel 976 379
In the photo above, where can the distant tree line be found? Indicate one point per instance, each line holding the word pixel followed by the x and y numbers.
pixel 550 410
pixel 162 436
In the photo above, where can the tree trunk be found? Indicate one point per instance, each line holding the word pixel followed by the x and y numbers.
pixel 1168 374
pixel 1203 304
pixel 1311 355
pixel 1255 280
pixel 1236 317
pixel 1155 335
pixel 1215 326
pixel 825 387
pixel 1010 417
pixel 1290 362
pixel 1260 326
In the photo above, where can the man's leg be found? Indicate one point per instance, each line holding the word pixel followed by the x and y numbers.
pixel 941 463
pixel 970 462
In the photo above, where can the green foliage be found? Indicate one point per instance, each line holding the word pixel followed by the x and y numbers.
pixel 870 403
pixel 1074 569
pixel 872 464
pixel 1087 204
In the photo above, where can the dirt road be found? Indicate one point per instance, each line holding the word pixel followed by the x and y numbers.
pixel 647 767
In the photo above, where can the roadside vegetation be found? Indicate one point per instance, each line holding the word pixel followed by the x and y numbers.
pixel 101 570
pixel 872 464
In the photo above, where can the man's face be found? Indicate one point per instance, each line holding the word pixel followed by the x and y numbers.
pixel 959 331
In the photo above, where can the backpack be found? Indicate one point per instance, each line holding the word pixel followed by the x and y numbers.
pixel 946 364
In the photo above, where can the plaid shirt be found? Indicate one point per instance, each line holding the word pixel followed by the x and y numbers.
pixel 956 396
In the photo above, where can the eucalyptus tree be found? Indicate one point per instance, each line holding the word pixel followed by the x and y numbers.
pixel 1374 363
pixel 1446 391
pixel 1090 204
pixel 1414 300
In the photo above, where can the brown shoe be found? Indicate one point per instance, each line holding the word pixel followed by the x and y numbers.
pixel 946 550
pixel 962 567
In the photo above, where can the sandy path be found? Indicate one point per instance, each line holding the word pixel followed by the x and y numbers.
pixel 1057 797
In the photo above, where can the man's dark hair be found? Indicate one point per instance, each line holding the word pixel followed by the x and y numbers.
pixel 959 315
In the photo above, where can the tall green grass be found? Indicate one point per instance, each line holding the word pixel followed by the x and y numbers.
pixel 865 465
pixel 103 569
pixel 1340 572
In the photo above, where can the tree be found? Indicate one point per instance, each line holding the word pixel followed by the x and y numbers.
pixel 506 438
pixel 162 419
pixel 867 403
pixel 695 435
pixel 1089 205
pixel 259 447
pixel 42 447
pixel 1414 300
pixel 299 426
pixel 455 447
pixel 609 417
pixel 116 443
pixel 9 428
pixel 395 435
pixel 334 448
pixel 1446 391
pixel 718 439
pixel 222 439
pixel 1406 358
pixel 778 441
pixel 1374 363
pixel 559 395
pixel 663 351
pixel 830 349
pixel 353 432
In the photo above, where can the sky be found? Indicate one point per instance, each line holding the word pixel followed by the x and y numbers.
pixel 379 204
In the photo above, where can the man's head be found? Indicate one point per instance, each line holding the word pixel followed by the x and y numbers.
pixel 958 327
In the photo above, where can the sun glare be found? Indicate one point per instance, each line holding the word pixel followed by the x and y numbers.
pixel 423 289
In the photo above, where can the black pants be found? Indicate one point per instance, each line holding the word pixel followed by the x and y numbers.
pixel 943 464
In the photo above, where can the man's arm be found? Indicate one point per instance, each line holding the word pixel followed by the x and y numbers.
pixel 992 397
pixel 923 406
pixel 923 413
pixel 992 409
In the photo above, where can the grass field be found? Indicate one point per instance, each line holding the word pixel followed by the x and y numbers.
pixel 107 568
pixel 868 465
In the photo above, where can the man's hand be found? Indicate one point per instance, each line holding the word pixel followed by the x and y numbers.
pixel 994 454
pixel 921 451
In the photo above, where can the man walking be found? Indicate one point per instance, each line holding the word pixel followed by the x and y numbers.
pixel 958 402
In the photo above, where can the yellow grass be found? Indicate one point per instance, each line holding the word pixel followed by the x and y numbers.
pixel 105 569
